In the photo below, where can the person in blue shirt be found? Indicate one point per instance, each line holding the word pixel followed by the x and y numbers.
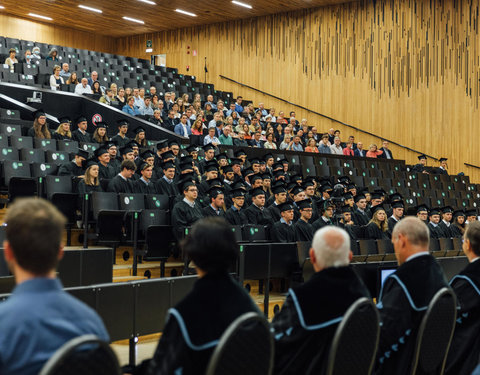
pixel 39 317
pixel 130 107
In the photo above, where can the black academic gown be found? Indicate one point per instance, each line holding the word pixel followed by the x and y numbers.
pixel 303 231
pixel 435 231
pixel 106 172
pixel 255 216
pixel 121 142
pixel 419 168
pixel 184 216
pixel 209 211
pixel 282 232
pixel 274 212
pixel 320 223
pixel 115 164
pixel 456 232
pixel 163 187
pixel 359 218
pixel 391 224
pixel 446 231
pixel 196 323
pixel 304 328
pixel 83 188
pixel 120 185
pixel 373 232
pixel 60 137
pixel 403 300
pixel 235 217
pixel 140 187
pixel 465 346
pixel 71 169
pixel 81 138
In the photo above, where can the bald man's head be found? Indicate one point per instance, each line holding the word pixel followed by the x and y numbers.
pixel 330 248
pixel 410 236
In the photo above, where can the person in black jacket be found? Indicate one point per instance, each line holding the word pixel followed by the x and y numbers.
pixel 360 215
pixel 166 184
pixel 187 211
pixel 280 195
pixel 106 171
pixel 75 167
pixel 194 326
pixel 217 199
pixel 256 213
pixel 283 230
pixel 445 223
pixel 80 135
pixel 377 228
pixel 465 346
pixel 304 327
pixel 90 183
pixel 397 214
pixel 303 229
pixel 234 214
pixel 435 230
pixel 122 182
pixel 405 296
pixel 144 184
pixel 326 208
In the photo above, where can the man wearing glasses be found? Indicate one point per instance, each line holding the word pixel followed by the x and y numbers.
pixel 186 212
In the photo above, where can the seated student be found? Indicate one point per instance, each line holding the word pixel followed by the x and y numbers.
pixel 446 222
pixel 80 135
pixel 304 327
pixel 187 211
pixel 63 132
pixel 90 182
pixel 166 184
pixel 458 226
pixel 326 209
pixel 196 323
pixel 397 214
pixel 280 196
pixel 421 167
pixel 100 134
pixel 40 126
pixel 216 196
pixel 39 317
pixel 106 171
pixel 283 230
pixel 140 137
pixel 121 138
pixel 405 296
pixel 144 185
pixel 435 230
pixel 442 168
pixel 377 228
pixel 303 229
pixel 234 214
pixel 122 182
pixel 464 351
pixel 256 213
pixel 75 167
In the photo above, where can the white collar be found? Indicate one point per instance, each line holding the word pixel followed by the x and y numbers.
pixel 416 255
pixel 474 260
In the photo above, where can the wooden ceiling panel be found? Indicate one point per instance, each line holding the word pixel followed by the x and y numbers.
pixel 159 17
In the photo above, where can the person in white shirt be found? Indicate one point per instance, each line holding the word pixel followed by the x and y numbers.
pixel 65 72
pixel 336 148
pixel 55 80
pixel 83 87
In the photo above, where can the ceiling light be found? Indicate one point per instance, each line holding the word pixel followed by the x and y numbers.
pixel 89 8
pixel 242 4
pixel 39 16
pixel 184 12
pixel 133 20
pixel 148 2
pixel 148 50
pixel 2 7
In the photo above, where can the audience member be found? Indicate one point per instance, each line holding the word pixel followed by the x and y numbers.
pixel 100 133
pixel 182 128
pixel 130 108
pixel 97 90
pixel 52 55
pixel 40 316
pixel 83 87
pixel 386 153
pixel 373 152
pixel 120 97
pixel 324 147
pixel 336 148
pixel 63 132
pixel 311 146
pixel 39 128
pixel 72 80
pixel 65 72
pixel 360 151
pixel 80 135
pixel 107 98
pixel 90 182
pixel 405 296
pixel 28 56
pixel 225 138
pixel 122 182
pixel 56 81
pixel 11 60
pixel 147 109
pixel 93 77
pixel 75 167
pixel 35 55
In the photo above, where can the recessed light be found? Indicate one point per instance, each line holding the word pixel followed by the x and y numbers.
pixel 39 16
pixel 90 8
pixel 2 7
pixel 148 50
pixel 133 20
pixel 185 12
pixel 242 4
pixel 148 2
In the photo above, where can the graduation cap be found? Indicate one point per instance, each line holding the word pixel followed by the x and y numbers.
pixel 162 144
pixel 296 177
pixel 268 156
pixel 215 192
pixel 188 159
pixel 147 154
pixel 304 203
pixel 423 156
pixel 133 144
pixel 348 196
pixel 254 161
pixel 458 213
pixel 185 183
pixel 90 162
pixel 395 197
pixel 221 157
pixel 345 209
pixel 287 206
pixel 38 113
pixel 82 153
pixel 227 169
pixel 143 166
pixel 110 144
pixel 471 212
pixel 122 122
pixel 208 147
pixel 344 180
pixel 262 162
pixel 247 172
pixel 434 211
pixel 238 185
pixel 257 191
pixel 277 166
pixel 210 168
pixel 278 174
pixel 191 148
pixel 358 197
pixel 297 189
pixel 215 182
pixel 173 143
pixel 100 151
pixel 380 191
pixel 351 186
pixel 64 120
pixel 266 176
pixel 447 210
pixel 442 159
pixel 376 195
pixel 184 166
pixel 168 155
pixel 255 177
pixel 80 119
pixel 235 161
pixel 237 153
pixel 237 193
pixel 377 208
pixel 102 125
pixel 398 204
pixel 280 188
pixel 139 130
pixel 283 161
pixel 168 165
pixel 421 208
pixel 125 150
pixel 325 188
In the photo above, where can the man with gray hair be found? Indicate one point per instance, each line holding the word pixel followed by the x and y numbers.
pixel 405 296
pixel 305 326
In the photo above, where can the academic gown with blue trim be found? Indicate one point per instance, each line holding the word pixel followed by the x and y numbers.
pixel 403 301
pixel 194 326
pixel 305 326
pixel 465 347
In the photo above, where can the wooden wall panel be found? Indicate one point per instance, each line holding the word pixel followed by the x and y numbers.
pixel 20 28
pixel 406 70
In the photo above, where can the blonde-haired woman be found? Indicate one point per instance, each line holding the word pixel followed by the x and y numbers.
pixel 373 152
pixel 377 228
pixel 63 132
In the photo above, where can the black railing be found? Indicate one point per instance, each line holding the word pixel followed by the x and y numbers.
pixel 325 116
pixel 471 165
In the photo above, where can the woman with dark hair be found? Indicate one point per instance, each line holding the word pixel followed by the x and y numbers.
pixel 73 80
pixel 90 183
pixel 52 55
pixel 100 133
pixel 141 137
pixel 377 228
pixel 96 89
pixel 196 323
pixel 458 225
pixel 40 126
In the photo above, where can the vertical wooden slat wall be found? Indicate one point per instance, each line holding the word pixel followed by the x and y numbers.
pixel 406 70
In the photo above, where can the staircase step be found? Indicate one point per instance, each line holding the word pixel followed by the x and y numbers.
pixel 121 279
pixel 275 303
